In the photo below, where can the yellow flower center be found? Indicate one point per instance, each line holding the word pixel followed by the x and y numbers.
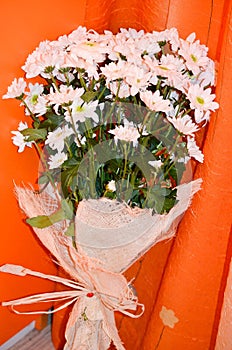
pixel 34 99
pixel 200 100
pixel 79 109
pixel 164 68
pixel 194 58
pixel 89 44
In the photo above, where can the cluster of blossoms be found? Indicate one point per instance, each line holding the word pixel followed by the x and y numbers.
pixel 87 84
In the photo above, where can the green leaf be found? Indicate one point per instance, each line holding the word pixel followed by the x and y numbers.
pixel 89 96
pixel 43 179
pixel 67 178
pixel 34 134
pixel 36 124
pixel 168 204
pixel 71 162
pixel 70 230
pixel 53 121
pixel 42 221
pixel 67 208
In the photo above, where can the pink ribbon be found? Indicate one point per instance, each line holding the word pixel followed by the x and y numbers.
pixel 94 306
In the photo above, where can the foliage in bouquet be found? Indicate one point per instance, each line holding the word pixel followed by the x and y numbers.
pixel 114 115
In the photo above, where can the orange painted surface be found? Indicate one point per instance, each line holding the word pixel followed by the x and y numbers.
pixel 191 286
pixel 22 26
pixel 185 275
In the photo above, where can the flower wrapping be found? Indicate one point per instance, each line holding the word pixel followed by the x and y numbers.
pixel 98 288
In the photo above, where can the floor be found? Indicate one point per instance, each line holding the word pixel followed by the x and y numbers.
pixel 35 340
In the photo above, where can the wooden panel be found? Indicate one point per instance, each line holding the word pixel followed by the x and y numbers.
pixel 35 340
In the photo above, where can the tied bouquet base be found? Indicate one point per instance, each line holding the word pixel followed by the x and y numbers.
pixel 97 287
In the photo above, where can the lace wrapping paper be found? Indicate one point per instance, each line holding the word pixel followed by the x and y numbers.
pixel 110 237
pixel 120 235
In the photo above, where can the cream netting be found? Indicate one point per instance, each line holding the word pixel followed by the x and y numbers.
pixel 118 235
pixel 108 230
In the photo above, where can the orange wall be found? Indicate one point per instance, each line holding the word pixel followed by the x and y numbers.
pixel 197 268
pixel 22 26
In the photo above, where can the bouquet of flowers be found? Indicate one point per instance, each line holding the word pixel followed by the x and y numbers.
pixel 113 118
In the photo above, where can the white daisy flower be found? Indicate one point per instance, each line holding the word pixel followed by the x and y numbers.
pixel 16 89
pixel 195 55
pixel 111 186
pixel 183 124
pixel 89 51
pixel 81 111
pixel 19 140
pixel 65 95
pixel 128 132
pixel 155 101
pixel 114 71
pixel 138 79
pixel 202 101
pixel 35 102
pixel 207 76
pixel 55 161
pixel 155 163
pixel 56 138
pixel 119 88
pixel 193 150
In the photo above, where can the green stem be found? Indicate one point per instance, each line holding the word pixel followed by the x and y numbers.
pixel 74 129
pixel 158 84
pixel 165 92
pixel 67 79
pixel 154 132
pixel 168 170
pixel 144 121
pixel 102 93
pixel 68 148
pixel 54 81
pixel 118 89
pixel 186 112
pixel 30 112
pixel 82 81
pixel 109 115
pixel 48 173
pixel 166 160
pixel 125 161
pixel 92 171
pixel 134 176
pixel 88 127
pixel 134 100
pixel 180 106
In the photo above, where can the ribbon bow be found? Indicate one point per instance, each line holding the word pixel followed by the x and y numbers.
pixel 91 324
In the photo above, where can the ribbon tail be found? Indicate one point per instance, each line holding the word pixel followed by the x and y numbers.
pixel 22 271
pixel 72 327
pixel 110 328
pixel 72 296
pixel 130 314
pixel 84 333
